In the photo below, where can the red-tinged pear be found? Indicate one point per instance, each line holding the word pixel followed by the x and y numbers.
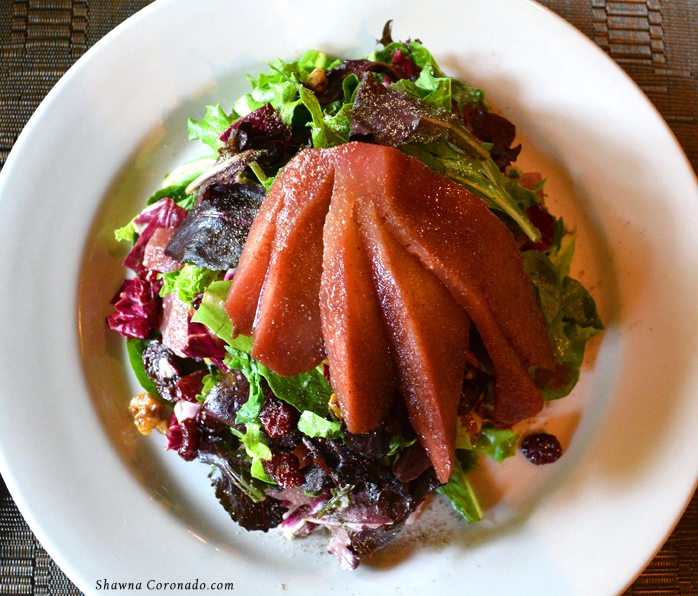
pixel 243 298
pixel 428 332
pixel 357 346
pixel 287 327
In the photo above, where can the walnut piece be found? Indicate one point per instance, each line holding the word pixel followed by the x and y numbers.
pixel 149 414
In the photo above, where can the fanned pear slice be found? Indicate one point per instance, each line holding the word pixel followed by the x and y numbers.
pixel 428 332
pixel 357 346
pixel 474 254
pixel 243 298
pixel 287 328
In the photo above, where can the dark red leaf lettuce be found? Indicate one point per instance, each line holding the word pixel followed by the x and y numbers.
pixel 215 230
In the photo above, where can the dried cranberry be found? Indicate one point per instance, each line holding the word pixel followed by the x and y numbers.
pixel 284 469
pixel 208 423
pixel 189 448
pixel 166 369
pixel 277 417
pixel 541 448
pixel 189 386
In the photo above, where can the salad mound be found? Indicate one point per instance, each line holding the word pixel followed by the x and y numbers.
pixel 352 300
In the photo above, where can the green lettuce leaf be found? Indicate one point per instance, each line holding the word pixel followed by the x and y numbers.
pixel 177 193
pixel 498 443
pixel 280 87
pixel 306 391
pixel 460 92
pixel 239 360
pixel 212 313
pixel 188 282
pixel 256 449
pixel 570 315
pixel 312 425
pixel 127 233
pixel 209 382
pixel 211 126
pixel 324 133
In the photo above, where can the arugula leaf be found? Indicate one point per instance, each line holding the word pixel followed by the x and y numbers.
pixel 523 196
pixel 211 126
pixel 188 282
pixel 459 491
pixel 312 425
pixel 464 94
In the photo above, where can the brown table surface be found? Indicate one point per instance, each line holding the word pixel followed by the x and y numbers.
pixel 655 41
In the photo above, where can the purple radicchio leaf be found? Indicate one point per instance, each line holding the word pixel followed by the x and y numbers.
pixel 340 546
pixel 174 435
pixel 201 344
pixel 136 308
pixel 184 337
pixel 165 213
pixel 214 232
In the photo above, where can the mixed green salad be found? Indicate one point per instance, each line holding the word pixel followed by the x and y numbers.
pixel 280 454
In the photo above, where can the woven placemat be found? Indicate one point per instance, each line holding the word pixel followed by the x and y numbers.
pixel 654 41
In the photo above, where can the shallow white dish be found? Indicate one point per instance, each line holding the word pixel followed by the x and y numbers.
pixel 108 505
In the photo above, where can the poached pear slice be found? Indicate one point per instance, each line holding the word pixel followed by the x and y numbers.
pixel 287 328
pixel 361 368
pixel 428 332
pixel 243 297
